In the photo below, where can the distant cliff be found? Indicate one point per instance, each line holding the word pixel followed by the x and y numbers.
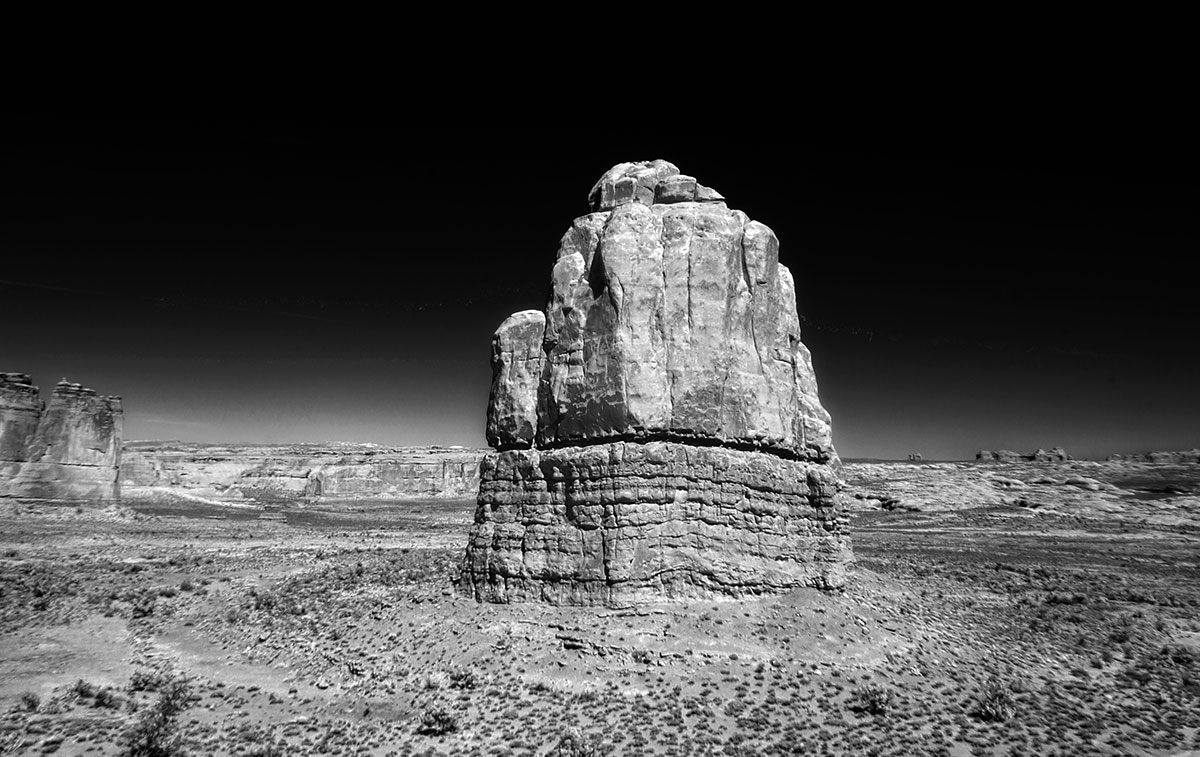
pixel 298 472
pixel 67 449
pixel 1177 457
pixel 1055 455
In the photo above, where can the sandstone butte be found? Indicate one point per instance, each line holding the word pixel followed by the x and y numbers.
pixel 656 431
pixel 67 449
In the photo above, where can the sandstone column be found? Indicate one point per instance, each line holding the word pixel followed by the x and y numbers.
pixel 657 430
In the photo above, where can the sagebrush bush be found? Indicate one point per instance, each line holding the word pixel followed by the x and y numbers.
pixel 435 721
pixel 464 679
pixel 575 744
pixel 82 689
pixel 996 703
pixel 872 698
pixel 148 680
pixel 155 733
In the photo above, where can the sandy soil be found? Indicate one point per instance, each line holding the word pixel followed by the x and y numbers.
pixel 984 618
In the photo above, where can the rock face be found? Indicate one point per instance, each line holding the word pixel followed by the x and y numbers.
pixel 70 448
pixel 1174 457
pixel 20 410
pixel 1055 455
pixel 657 430
pixel 297 472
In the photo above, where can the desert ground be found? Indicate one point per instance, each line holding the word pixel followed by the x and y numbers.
pixel 1002 609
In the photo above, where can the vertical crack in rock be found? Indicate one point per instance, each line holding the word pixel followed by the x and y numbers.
pixel 657 429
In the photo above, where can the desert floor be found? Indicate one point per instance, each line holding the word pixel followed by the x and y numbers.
pixel 1024 609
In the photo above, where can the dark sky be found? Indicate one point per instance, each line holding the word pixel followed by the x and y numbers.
pixel 311 281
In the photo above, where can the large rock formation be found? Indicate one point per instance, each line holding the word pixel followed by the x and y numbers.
pixel 1054 455
pixel 1175 457
pixel 657 429
pixel 68 449
pixel 297 473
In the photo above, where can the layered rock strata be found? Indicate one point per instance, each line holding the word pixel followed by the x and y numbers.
pixel 1171 457
pixel 657 428
pixel 297 473
pixel 69 448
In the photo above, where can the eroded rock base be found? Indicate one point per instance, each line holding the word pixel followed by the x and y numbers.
pixel 628 521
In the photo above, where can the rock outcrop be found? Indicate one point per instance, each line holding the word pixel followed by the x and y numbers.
pixel 657 429
pixel 1055 455
pixel 68 449
pixel 1177 457
pixel 20 410
pixel 297 473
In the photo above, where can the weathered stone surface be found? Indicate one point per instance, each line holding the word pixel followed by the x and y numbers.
pixel 672 329
pixel 630 182
pixel 1054 455
pixel 74 450
pixel 628 521
pixel 677 188
pixel 296 472
pixel 1176 456
pixel 997 456
pixel 677 320
pixel 20 410
pixel 517 360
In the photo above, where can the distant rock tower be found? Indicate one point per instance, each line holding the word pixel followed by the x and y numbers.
pixel 657 429
pixel 69 449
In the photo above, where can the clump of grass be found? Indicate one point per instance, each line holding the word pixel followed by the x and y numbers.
pixel 30 701
pixel 996 703
pixel 872 699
